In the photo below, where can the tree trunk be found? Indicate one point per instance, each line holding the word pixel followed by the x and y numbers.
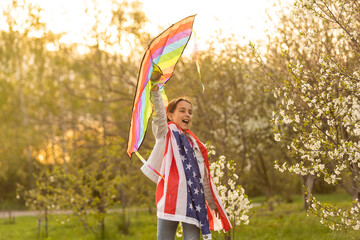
pixel 62 124
pixel 25 124
pixel 24 113
pixel 307 182
pixel 46 223
pixel 38 227
pixel 355 193
pixel 349 185
pixel 227 235
pixel 102 226
pixel 265 180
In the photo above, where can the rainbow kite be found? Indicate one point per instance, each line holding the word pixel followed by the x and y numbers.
pixel 164 51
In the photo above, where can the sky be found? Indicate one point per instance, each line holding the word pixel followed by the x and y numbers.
pixel 245 19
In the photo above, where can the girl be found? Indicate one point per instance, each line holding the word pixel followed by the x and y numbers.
pixel 186 193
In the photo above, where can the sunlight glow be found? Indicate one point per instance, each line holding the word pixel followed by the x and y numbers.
pixel 241 20
pixel 52 152
pixel 237 19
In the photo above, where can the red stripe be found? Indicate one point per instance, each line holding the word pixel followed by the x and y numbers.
pixel 159 190
pixel 172 189
pixel 131 143
pixel 167 140
pixel 143 72
pixel 211 219
pixel 224 221
pixel 168 75
pixel 160 186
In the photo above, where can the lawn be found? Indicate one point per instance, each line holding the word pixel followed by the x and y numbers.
pixel 287 221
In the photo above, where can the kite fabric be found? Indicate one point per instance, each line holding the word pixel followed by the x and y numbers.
pixel 163 52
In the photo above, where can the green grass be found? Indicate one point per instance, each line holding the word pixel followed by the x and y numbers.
pixel 64 227
pixel 287 221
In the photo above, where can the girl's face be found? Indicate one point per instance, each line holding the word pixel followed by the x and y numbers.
pixel 182 115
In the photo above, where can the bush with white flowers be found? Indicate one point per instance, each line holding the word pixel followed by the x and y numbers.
pixel 318 114
pixel 233 197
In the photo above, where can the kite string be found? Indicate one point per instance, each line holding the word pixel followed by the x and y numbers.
pixel 145 163
pixel 197 60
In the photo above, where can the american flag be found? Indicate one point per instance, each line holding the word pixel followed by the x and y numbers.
pixel 181 196
pixel 195 192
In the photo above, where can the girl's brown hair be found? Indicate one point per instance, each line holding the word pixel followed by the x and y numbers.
pixel 173 104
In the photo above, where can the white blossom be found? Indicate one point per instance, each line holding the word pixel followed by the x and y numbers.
pixel 233 197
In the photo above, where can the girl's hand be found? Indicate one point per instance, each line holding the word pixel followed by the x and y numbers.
pixel 155 78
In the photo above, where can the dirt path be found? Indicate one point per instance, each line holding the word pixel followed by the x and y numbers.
pixel 7 214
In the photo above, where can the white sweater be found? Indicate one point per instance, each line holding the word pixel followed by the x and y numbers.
pixel 160 129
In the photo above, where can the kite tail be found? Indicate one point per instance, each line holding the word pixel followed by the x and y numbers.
pixel 197 61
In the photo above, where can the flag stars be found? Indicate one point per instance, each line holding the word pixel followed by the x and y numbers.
pixel 188 166
pixel 191 206
pixel 196 191
pixel 198 208
pixel 190 182
pixel 186 150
